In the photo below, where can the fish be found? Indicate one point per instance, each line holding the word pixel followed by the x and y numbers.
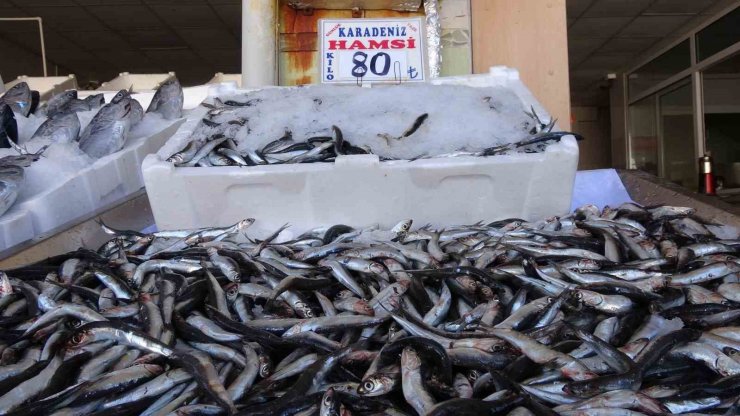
pixel 404 321
pixel 12 175
pixel 108 130
pixel 168 100
pixel 21 99
pixel 8 126
pixel 59 102
pixel 59 128
pixel 94 101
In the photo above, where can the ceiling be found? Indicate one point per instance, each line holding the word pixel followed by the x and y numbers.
pixel 97 39
pixel 609 36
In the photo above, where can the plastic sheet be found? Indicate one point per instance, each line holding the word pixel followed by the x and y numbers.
pixel 599 187
pixel 434 37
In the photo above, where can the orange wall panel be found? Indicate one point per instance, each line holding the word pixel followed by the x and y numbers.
pixel 531 36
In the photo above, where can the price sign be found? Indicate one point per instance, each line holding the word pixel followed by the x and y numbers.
pixel 371 50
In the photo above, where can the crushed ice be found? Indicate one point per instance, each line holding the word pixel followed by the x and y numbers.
pixel 459 117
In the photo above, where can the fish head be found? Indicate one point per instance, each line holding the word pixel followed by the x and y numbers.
pixel 410 359
pixel 364 308
pixel 473 376
pixel 177 158
pixel 582 389
pixel 377 384
pixel 6 288
pixel 18 92
pixel 345 294
pixel 402 227
pixel 245 223
pixel 265 366
pixel 78 339
pixel 329 403
pixel 120 96
pixel 232 291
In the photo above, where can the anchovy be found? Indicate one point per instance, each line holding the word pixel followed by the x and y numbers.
pixel 486 318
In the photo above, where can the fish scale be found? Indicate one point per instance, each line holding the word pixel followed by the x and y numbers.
pixel 398 325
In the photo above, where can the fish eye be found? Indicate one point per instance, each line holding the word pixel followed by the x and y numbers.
pixel 368 385
pixel 78 338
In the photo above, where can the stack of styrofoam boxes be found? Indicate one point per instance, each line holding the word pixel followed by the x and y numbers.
pixel 360 190
pixel 135 82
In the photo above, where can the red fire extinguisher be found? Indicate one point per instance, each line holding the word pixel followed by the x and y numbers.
pixel 707 183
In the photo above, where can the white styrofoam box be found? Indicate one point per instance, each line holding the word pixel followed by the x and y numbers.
pixel 220 77
pixel 360 190
pixel 46 86
pixel 109 179
pixel 139 82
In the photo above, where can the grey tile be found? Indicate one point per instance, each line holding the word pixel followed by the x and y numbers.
pixel 606 62
pixel 67 18
pixel 99 40
pixel 187 15
pixel 204 38
pixel 653 26
pixel 680 6
pixel 126 17
pixel 11 12
pixel 599 27
pixel 575 8
pixel 617 8
pixel 629 45
pixel 231 15
pixel 153 38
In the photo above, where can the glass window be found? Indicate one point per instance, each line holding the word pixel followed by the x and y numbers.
pixel 677 133
pixel 644 135
pixel 719 35
pixel 722 118
pixel 661 68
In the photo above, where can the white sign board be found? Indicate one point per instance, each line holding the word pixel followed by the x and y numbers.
pixel 372 50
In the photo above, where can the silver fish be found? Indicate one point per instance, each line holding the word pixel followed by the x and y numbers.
pixel 168 100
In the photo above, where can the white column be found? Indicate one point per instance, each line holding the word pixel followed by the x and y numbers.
pixel 259 57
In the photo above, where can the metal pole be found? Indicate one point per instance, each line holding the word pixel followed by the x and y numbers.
pixel 259 55
pixel 41 35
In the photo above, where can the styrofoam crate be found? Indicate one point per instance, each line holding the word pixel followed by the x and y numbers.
pixel 46 86
pixel 111 178
pixel 360 190
pixel 138 82
pixel 220 77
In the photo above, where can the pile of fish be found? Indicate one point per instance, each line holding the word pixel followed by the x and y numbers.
pixel 215 142
pixel 624 311
pixel 105 134
pixel 108 130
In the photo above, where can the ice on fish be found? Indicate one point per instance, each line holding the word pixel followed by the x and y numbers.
pixel 458 117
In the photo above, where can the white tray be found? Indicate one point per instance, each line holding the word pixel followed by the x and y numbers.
pixel 110 179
